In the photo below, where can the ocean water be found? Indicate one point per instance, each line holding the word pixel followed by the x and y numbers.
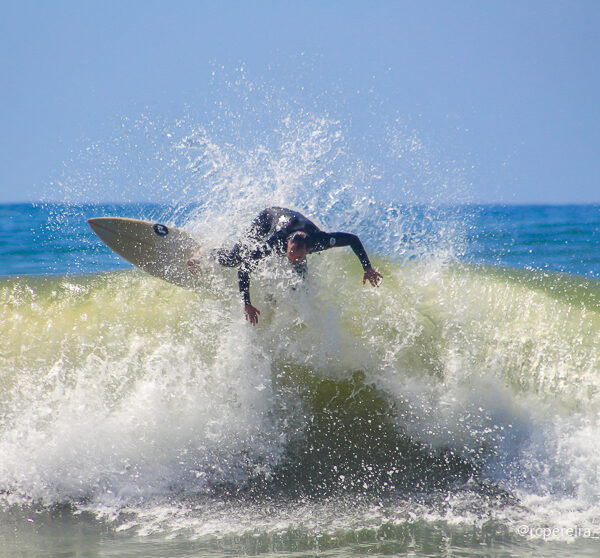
pixel 454 411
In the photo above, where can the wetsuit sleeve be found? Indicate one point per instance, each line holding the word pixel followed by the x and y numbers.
pixel 244 284
pixel 324 241
pixel 246 267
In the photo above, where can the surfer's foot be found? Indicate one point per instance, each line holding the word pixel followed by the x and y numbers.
pixel 194 263
pixel 193 266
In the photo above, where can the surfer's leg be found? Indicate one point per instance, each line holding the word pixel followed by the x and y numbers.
pixel 230 258
pixel 225 257
pixel 259 228
pixel 301 269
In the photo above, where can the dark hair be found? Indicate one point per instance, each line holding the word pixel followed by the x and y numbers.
pixel 300 240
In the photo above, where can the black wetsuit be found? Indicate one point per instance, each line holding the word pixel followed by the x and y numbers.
pixel 268 235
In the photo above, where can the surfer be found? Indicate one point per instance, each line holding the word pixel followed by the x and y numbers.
pixel 277 230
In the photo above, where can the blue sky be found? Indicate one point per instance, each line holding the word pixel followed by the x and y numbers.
pixel 508 90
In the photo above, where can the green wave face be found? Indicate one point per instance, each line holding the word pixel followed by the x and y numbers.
pixel 119 385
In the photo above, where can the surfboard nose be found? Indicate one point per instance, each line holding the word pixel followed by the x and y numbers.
pixel 93 223
pixel 112 229
pixel 97 223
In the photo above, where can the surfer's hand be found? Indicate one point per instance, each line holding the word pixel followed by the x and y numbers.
pixel 373 276
pixel 251 313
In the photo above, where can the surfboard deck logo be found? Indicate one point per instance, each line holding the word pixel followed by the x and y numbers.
pixel 161 230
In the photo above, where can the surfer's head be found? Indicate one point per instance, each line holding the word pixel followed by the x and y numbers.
pixel 298 246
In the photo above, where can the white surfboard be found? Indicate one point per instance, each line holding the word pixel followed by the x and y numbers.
pixel 155 248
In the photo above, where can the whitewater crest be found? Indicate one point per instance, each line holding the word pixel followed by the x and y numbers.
pixel 119 387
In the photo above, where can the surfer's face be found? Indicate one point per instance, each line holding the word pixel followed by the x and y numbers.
pixel 296 254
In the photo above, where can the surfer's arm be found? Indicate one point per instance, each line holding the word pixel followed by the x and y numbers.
pixel 250 311
pixel 340 239
pixel 248 263
pixel 349 239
